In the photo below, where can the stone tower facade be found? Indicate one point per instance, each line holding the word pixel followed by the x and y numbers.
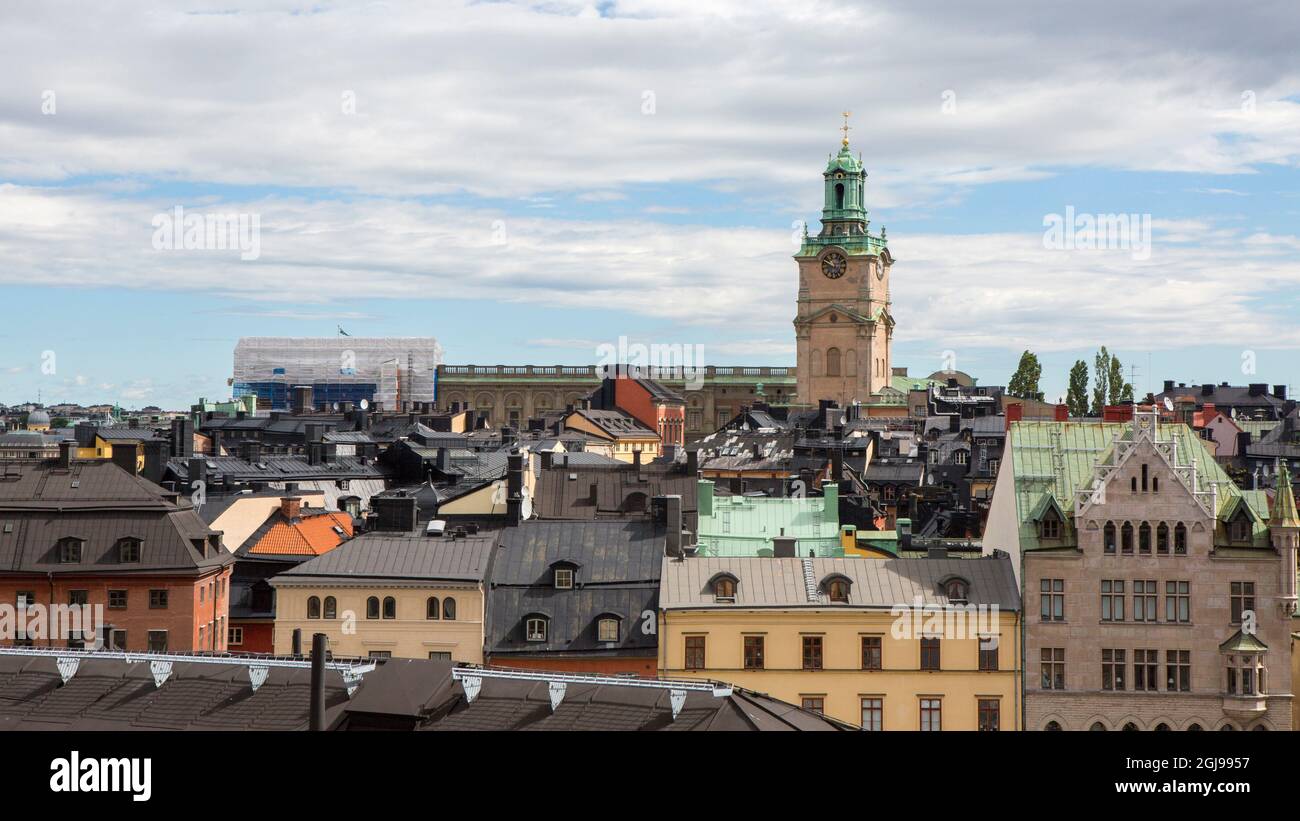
pixel 843 328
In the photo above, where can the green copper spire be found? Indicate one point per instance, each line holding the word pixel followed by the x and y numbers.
pixel 844 208
pixel 1284 508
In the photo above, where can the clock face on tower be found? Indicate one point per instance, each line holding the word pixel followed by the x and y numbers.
pixel 834 265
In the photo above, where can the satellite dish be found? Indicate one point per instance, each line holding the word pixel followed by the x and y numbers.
pixel 1169 404
pixel 365 404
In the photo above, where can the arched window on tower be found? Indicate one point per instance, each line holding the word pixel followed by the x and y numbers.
pixel 839 195
pixel 833 362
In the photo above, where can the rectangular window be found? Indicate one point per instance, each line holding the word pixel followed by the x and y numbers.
pixel 25 599
pixel 753 652
pixel 873 714
pixel 117 641
pixel 381 654
pixel 990 714
pixel 1144 601
pixel 439 655
pixel 1243 599
pixel 816 704
pixel 1146 669
pixel 871 653
pixel 931 715
pixel 157 641
pixel 1178 671
pixel 988 653
pixel 1051 599
pixel 695 652
pixel 812 652
pixel 929 654
pixel 1178 602
pixel 563 578
pixel 1112 669
pixel 158 599
pixel 1052 667
pixel 1112 600
pixel 235 636
pixel 78 597
pixel 117 599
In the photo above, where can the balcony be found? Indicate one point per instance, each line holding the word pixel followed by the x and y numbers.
pixel 1244 707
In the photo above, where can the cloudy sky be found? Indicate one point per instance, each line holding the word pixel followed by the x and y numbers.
pixel 527 181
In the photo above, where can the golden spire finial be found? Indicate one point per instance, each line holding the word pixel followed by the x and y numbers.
pixel 845 128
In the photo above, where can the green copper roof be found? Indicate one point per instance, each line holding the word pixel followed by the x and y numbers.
pixel 844 161
pixel 1243 643
pixel 1057 459
pixel 744 525
pixel 1284 509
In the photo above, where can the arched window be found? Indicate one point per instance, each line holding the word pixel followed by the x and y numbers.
pixel 128 550
pixel 1109 538
pixel 535 628
pixel 607 629
pixel 70 550
pixel 839 195
pixel 1133 484
pixel 957 590
pixel 724 588
pixel 1180 538
pixel 449 609
pixel 1162 727
pixel 1053 726
pixel 372 607
pixel 837 590
pixel 832 361
pixel 1162 538
pixel 1144 538
pixel 390 607
pixel 1130 727
pixel 1098 727
pixel 1195 728
pixel 1126 538
pixel 313 607
pixel 432 608
pixel 331 608
pixel 1155 484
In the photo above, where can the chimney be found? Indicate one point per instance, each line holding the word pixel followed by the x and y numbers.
pixel 301 404
pixel 693 463
pixel 291 508
pixel 1256 389
pixel 124 456
pixel 67 452
pixel 1207 390
pixel 1169 386
pixel 317 718
pixel 328 452
pixel 182 443
pixel 1279 392
pixel 1062 413
pixel 133 423
pixel 315 453
pixel 197 471
pixel 155 460
pixel 904 528
pixel 936 551
pixel 443 460
pixel 1014 413
pixel 673 526
pixel 312 430
pixel 954 423
pixel 783 547
pixel 837 465
pixel 216 442
pixel 1208 411
pixel 515 487
pixel 252 451
pixel 548 459
pixel 636 459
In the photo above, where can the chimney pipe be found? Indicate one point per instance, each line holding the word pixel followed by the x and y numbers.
pixel 67 452
pixel 297 641
pixel 318 682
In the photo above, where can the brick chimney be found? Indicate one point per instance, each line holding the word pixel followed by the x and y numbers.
pixel 1014 413
pixel 291 508
pixel 1062 413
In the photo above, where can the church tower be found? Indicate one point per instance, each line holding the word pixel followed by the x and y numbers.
pixel 843 330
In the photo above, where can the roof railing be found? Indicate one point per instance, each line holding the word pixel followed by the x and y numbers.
pixel 471 680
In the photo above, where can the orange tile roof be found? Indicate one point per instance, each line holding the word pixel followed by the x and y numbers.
pixel 309 536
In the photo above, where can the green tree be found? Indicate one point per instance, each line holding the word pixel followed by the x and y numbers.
pixel 1077 395
pixel 1118 389
pixel 1024 382
pixel 1100 369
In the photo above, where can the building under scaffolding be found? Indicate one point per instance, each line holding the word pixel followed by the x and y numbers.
pixel 390 373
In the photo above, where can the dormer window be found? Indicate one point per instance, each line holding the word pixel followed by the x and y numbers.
pixel 564 578
pixel 535 628
pixel 1240 529
pixel 70 550
pixel 1051 527
pixel 128 551
pixel 957 591
pixel 607 629
pixel 724 588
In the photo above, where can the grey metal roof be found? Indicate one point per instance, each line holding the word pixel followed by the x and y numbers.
pixel 875 583
pixel 383 556
pixel 617 573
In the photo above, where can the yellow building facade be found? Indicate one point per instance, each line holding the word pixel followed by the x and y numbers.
pixel 878 643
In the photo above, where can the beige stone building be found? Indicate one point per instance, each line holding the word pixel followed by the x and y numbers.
pixel 513 394
pixel 1158 595
pixel 388 595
